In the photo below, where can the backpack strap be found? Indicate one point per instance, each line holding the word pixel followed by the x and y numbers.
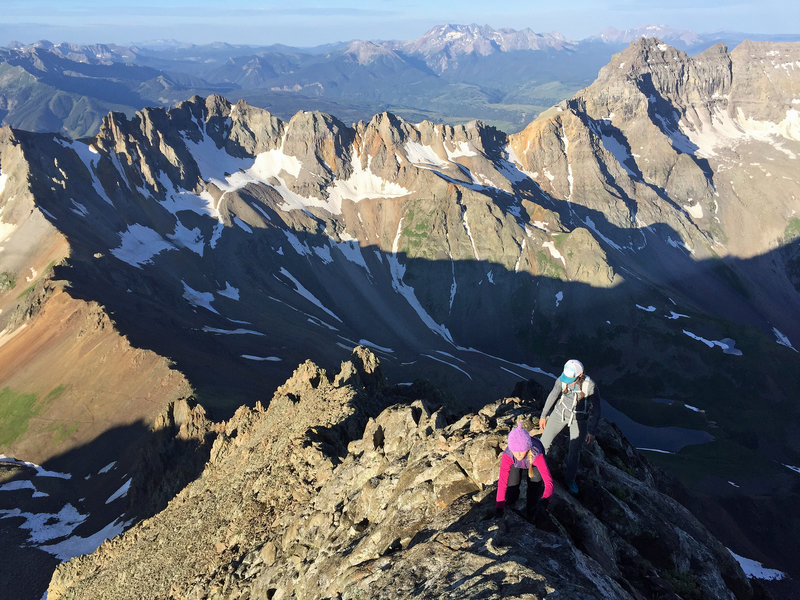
pixel 537 447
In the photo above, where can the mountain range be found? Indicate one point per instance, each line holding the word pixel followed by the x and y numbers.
pixel 647 224
pixel 451 74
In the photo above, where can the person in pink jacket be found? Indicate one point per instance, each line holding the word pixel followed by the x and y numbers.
pixel 523 458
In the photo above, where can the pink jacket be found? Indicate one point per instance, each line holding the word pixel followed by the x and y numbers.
pixel 506 462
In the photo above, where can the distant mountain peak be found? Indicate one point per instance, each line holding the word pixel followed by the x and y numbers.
pixel 483 39
pixel 441 46
pixel 663 32
pixel 366 52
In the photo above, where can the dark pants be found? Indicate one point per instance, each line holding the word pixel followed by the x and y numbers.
pixel 515 477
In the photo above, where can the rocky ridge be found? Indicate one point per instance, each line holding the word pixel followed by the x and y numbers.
pixel 311 497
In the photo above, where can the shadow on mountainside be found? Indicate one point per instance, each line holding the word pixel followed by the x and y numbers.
pixel 167 459
pixel 123 476
pixel 290 306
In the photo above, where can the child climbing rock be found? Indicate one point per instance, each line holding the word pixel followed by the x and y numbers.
pixel 523 458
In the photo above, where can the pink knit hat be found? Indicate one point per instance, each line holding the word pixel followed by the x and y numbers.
pixel 519 440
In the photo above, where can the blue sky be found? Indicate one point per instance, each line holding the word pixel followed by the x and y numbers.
pixel 313 22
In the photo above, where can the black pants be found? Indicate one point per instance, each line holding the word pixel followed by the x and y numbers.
pixel 533 487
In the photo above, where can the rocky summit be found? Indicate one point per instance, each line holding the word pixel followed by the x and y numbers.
pixel 311 497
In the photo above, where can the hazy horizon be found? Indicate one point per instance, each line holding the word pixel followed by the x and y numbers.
pixel 310 23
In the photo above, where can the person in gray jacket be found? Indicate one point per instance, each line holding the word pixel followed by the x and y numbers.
pixel 575 403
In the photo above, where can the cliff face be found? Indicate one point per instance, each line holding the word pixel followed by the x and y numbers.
pixel 310 498
pixel 704 144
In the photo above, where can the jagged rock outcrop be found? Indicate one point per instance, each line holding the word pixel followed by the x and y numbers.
pixel 309 498
pixel 175 453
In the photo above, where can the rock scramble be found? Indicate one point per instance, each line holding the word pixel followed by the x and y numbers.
pixel 345 488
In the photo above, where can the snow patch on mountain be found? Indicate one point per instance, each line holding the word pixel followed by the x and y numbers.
pixel 449 364
pixel 180 200
pixel 324 253
pixel 398 270
pixel 242 225
pixel 58 527
pixel 722 130
pixel 396 241
pixel 121 492
pixel 229 292
pixel 782 339
pixel 694 210
pixel 728 345
pixel 89 156
pixel 469 234
pixel 274 162
pixel 199 299
pixel 375 346
pixel 614 146
pixel 460 149
pixel 300 289
pixel 238 331
pixel 512 168
pixel 77 545
pixel 421 155
pixel 22 484
pixel 192 239
pixel 44 527
pixel 591 225
pixel 268 168
pixel 673 316
pixel 78 208
pixel 361 185
pixel 352 252
pixel 216 235
pixel 213 162
pixel 554 252
pixel 475 185
pixel 262 172
pixel 39 471
pixel 139 245
pixel 300 247
pixel 755 570
pixel 570 178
